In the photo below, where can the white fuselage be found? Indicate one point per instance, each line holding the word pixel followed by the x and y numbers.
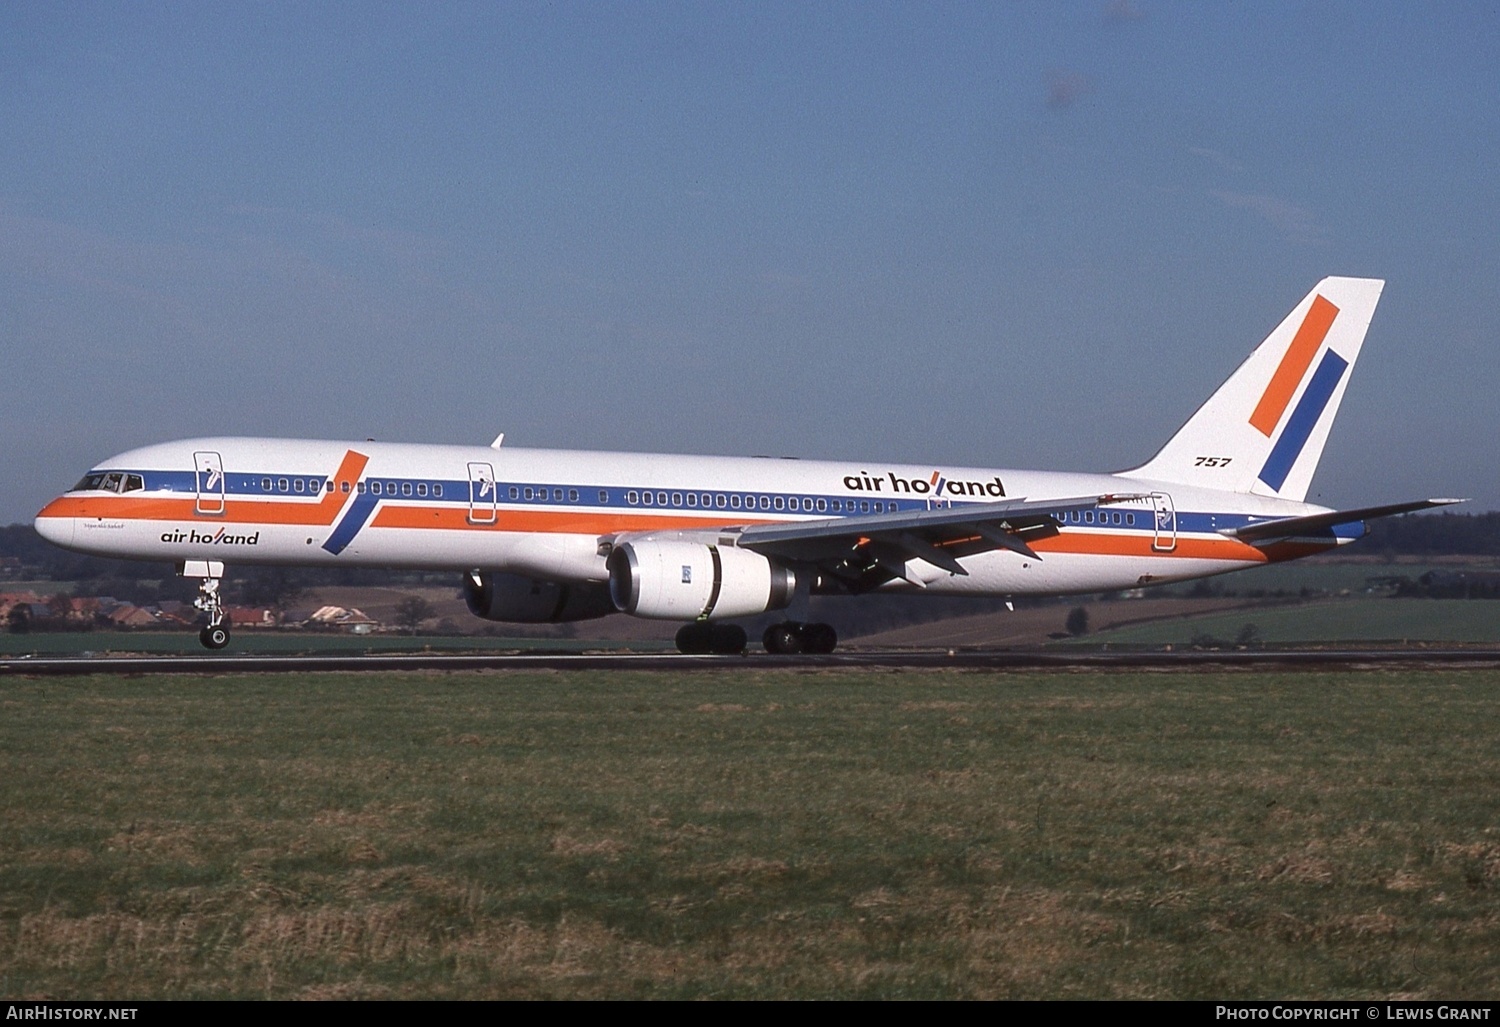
pixel 554 514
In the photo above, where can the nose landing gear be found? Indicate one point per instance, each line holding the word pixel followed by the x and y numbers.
pixel 216 634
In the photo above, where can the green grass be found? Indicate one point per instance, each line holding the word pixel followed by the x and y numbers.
pixel 1318 576
pixel 751 834
pixel 1337 621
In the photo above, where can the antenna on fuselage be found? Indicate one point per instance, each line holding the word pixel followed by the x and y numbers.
pixel 498 440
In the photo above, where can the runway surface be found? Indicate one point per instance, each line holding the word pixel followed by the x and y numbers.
pixel 964 659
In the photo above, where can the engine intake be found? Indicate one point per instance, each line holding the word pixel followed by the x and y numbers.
pixel 521 600
pixel 674 580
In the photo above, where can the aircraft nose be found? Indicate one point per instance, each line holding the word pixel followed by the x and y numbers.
pixel 54 527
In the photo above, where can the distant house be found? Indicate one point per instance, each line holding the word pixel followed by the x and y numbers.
pixel 350 619
pixel 128 616
pixel 10 600
pixel 173 613
pixel 251 616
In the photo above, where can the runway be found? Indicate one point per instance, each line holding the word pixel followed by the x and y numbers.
pixel 963 659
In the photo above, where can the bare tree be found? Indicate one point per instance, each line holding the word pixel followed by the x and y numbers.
pixel 412 611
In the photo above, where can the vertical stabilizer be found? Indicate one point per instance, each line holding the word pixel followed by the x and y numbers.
pixel 1264 429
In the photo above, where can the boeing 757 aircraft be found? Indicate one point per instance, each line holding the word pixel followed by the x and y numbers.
pixel 554 535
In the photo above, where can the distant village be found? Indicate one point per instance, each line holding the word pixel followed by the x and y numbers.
pixel 27 611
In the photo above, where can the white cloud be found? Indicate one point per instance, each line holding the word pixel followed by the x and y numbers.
pixel 1295 222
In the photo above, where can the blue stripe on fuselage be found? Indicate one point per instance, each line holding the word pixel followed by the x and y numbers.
pixel 354 519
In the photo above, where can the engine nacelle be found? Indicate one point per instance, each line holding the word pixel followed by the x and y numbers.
pixel 674 580
pixel 522 600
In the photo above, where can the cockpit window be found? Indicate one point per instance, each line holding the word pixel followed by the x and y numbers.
pixel 110 481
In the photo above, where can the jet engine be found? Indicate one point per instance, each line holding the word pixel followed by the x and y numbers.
pixel 522 600
pixel 676 580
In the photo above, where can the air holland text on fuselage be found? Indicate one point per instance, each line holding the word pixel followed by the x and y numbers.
pixel 547 536
pixel 936 485
pixel 219 538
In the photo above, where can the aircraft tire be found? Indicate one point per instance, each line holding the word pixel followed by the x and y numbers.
pixel 819 638
pixel 695 639
pixel 214 638
pixel 728 639
pixel 783 638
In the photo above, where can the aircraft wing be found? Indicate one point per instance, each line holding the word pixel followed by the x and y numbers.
pixel 868 549
pixel 1286 527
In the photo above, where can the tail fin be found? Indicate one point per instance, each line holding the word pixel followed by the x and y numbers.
pixel 1264 429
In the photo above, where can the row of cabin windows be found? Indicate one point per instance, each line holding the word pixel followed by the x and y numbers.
pixel 734 501
pixel 303 486
pixel 1104 517
pixel 117 482
pixel 541 494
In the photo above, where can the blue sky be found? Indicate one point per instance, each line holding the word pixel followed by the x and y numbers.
pixel 1005 234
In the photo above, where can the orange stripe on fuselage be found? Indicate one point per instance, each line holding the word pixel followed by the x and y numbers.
pixel 1140 545
pixel 585 522
pixel 1294 364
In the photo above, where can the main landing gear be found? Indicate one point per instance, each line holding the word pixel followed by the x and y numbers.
pixel 703 637
pixel 792 637
pixel 216 634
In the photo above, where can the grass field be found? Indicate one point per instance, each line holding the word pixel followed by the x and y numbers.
pixel 1337 621
pixel 743 834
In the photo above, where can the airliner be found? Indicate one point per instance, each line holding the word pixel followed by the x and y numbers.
pixel 544 536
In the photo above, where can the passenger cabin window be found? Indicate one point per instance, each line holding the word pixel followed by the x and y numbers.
pixel 406 488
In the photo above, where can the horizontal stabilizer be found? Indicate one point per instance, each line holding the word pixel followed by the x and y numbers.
pixel 1287 526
